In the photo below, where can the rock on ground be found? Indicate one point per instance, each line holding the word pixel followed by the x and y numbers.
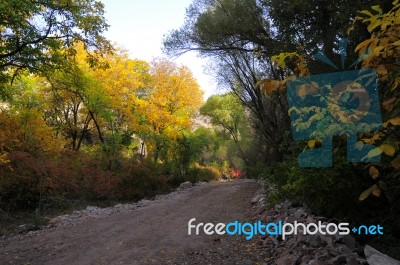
pixel 374 257
pixel 185 185
pixel 317 249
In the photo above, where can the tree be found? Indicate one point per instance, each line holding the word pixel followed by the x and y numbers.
pixel 218 26
pixel 317 25
pixel 38 35
pixel 78 102
pixel 166 109
pixel 227 112
pixel 125 81
pixel 237 35
pixel 66 109
pixel 83 101
pixel 9 135
pixel 70 100
pixel 27 108
pixel 243 35
pixel 240 72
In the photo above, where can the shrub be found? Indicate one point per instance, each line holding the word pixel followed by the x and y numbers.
pixel 19 182
pixel 332 192
pixel 142 179
pixel 234 173
pixel 205 174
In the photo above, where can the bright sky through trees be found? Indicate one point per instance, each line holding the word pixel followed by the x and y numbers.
pixel 139 26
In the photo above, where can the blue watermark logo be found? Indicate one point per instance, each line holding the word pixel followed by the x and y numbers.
pixel 249 230
pixel 339 103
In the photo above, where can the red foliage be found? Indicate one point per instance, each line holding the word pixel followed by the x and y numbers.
pixel 235 173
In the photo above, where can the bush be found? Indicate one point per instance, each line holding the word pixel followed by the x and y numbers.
pixel 142 179
pixel 29 182
pixel 334 193
pixel 205 174
pixel 19 182
pixel 234 173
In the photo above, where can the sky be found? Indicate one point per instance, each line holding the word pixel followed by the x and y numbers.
pixel 139 25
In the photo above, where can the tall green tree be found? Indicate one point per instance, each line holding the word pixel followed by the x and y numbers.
pixel 229 117
pixel 227 112
pixel 217 26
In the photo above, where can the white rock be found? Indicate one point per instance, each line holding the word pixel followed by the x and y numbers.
pixel 92 208
pixel 300 213
pixel 256 198
pixel 374 257
pixel 185 185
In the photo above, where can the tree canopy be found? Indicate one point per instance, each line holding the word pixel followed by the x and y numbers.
pixel 38 35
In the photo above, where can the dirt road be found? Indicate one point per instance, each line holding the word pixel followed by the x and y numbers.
pixel 154 234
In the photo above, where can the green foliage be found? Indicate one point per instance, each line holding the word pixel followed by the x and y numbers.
pixel 21 222
pixel 225 111
pixel 75 111
pixel 359 193
pixel 296 30
pixel 226 18
pixel 228 115
pixel 334 193
pixel 24 41
pixel 189 148
pixel 140 180
pixel 69 136
pixel 331 192
pixel 219 26
pixel 383 52
pixel 309 26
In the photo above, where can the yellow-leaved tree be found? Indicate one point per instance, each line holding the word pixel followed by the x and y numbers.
pixel 124 80
pixel 168 105
pixel 383 53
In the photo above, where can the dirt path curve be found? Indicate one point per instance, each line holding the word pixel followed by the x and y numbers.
pixel 154 234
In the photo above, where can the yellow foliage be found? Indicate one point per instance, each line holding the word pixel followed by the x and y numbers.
pixel 35 135
pixel 280 59
pixel 365 194
pixel 301 62
pixel 174 96
pixel 373 172
pixel 311 143
pixel 395 121
pixel 123 81
pixel 388 149
pixel 396 162
pixel 301 69
pixel 383 51
pixel 26 131
pixel 384 42
pixel 269 85
pixel 8 137
pixel 375 190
